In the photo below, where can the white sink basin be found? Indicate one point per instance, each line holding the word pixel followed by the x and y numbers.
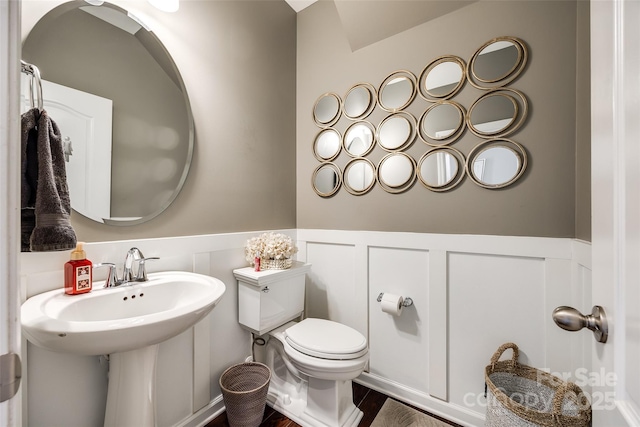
pixel 124 318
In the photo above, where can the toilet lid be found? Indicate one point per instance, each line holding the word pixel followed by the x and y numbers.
pixel 326 339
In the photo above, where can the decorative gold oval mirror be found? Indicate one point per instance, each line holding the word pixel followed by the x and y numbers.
pixel 326 179
pixel 441 169
pixel 396 132
pixel 359 176
pixel 396 172
pixel 397 91
pixel 442 78
pixel 496 163
pixel 442 123
pixel 359 101
pixel 497 63
pixel 117 95
pixel 498 113
pixel 326 110
pixel 359 139
pixel 327 145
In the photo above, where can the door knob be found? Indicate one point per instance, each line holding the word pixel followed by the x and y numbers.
pixel 572 320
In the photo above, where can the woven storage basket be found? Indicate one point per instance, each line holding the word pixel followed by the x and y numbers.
pixel 522 396
pixel 275 264
pixel 244 390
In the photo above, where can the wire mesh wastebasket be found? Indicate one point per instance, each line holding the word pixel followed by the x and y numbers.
pixel 244 390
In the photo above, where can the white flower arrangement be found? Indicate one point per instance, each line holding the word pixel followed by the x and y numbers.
pixel 269 246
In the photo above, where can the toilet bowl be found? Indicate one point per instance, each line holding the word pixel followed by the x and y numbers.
pixel 313 363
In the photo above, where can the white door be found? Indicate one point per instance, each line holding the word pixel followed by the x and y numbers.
pixel 9 210
pixel 615 124
pixel 85 122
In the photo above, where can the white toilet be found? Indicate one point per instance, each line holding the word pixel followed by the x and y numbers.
pixel 312 361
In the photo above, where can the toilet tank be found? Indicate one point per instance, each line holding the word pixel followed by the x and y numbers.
pixel 270 298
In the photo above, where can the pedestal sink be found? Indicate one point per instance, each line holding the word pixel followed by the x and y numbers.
pixel 126 322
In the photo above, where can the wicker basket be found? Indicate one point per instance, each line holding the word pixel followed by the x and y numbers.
pixel 522 396
pixel 275 264
pixel 244 390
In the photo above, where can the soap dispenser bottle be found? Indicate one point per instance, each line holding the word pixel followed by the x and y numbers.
pixel 78 272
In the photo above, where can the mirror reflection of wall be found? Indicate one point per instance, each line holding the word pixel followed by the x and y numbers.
pixel 496 163
pixel 117 59
pixel 359 139
pixel 326 180
pixel 359 176
pixel 497 63
pixel 397 91
pixel 327 110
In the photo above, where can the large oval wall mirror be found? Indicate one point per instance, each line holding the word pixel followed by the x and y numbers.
pixel 442 78
pixel 359 176
pixel 359 139
pixel 396 132
pixel 498 113
pixel 359 101
pixel 326 179
pixel 442 123
pixel 496 163
pixel 326 110
pixel 497 63
pixel 327 145
pixel 397 91
pixel 121 105
pixel 441 169
pixel 396 172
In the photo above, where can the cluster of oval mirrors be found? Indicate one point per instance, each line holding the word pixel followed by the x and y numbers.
pixel 500 111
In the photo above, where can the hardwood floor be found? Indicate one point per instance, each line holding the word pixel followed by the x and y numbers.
pixel 369 401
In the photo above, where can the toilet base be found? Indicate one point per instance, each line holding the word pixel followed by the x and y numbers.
pixel 315 407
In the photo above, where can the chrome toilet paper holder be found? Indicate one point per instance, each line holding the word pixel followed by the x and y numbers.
pixel 406 301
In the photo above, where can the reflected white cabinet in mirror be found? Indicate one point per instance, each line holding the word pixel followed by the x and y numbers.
pixel 497 63
pixel 359 101
pixel 101 50
pixel 397 91
pixel 326 110
pixel 326 179
pixel 496 163
pixel 441 169
pixel 442 78
pixel 359 176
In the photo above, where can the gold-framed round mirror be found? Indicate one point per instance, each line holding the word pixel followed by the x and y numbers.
pixel 396 172
pixel 120 102
pixel 496 163
pixel 359 101
pixel 326 179
pixel 442 78
pixel 497 63
pixel 359 176
pixel 397 91
pixel 441 169
pixel 396 132
pixel 326 110
pixel 442 123
pixel 359 139
pixel 327 145
pixel 497 113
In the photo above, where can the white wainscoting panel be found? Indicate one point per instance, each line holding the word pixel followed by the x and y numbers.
pixel 471 294
pixel 398 345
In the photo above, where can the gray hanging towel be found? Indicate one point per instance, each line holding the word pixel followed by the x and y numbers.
pixel 45 195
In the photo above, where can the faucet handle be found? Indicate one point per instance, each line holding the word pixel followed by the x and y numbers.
pixel 142 271
pixel 112 277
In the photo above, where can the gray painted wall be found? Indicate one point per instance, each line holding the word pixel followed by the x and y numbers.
pixel 541 203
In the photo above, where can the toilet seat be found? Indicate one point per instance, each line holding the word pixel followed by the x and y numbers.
pixel 326 339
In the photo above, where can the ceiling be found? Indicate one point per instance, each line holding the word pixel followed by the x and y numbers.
pixel 298 5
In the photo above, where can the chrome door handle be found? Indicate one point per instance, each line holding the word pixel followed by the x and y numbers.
pixel 570 319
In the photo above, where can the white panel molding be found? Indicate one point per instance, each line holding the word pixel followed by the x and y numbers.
pixel 438 317
pixel 201 344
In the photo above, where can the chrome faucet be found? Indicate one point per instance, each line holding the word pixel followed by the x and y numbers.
pixel 133 255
